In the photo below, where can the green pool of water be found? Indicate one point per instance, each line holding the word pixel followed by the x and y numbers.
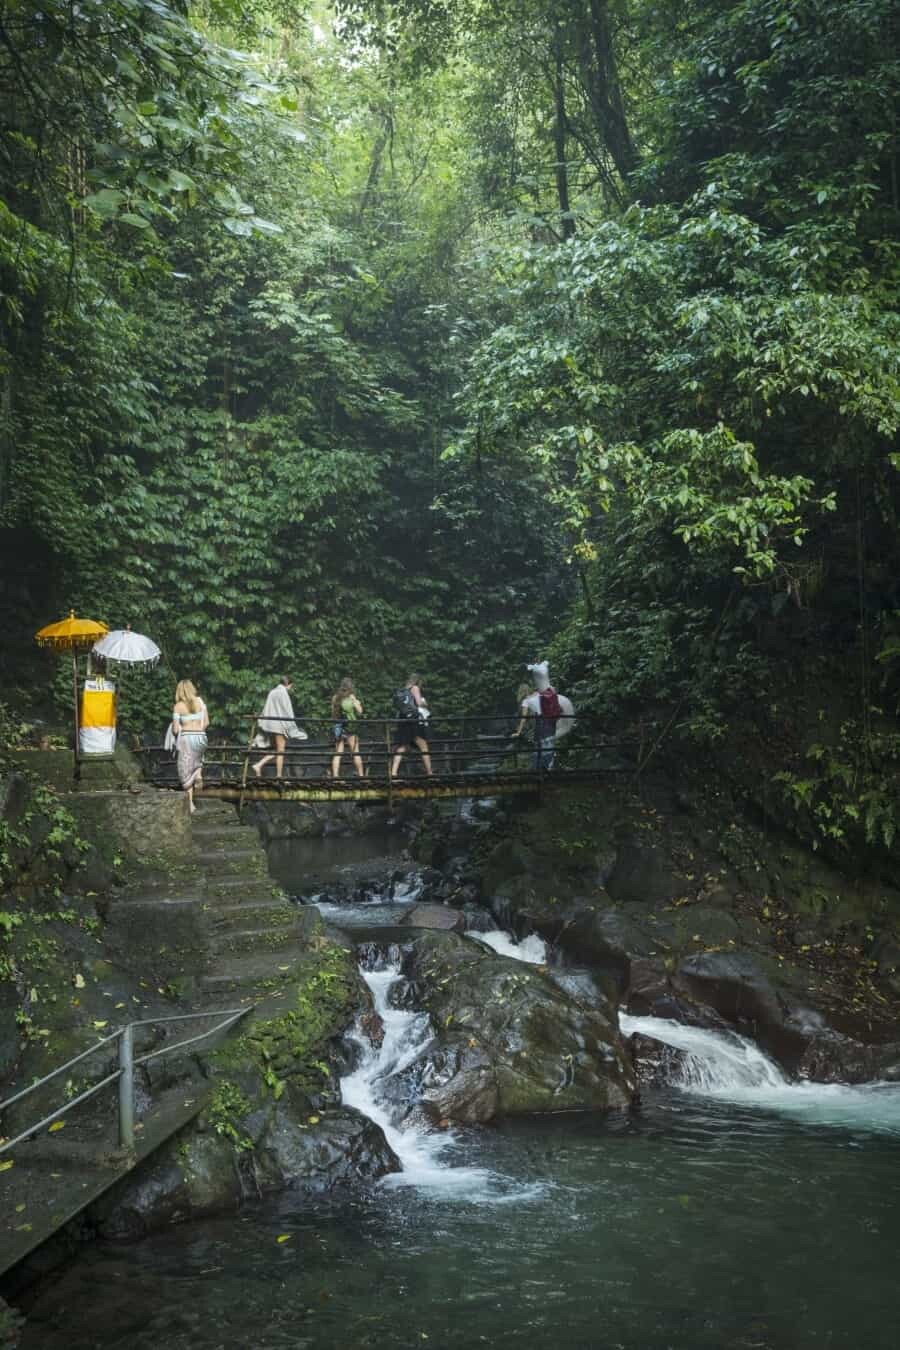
pixel 692 1225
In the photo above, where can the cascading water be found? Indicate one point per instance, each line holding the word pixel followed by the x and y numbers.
pixel 532 949
pixel 730 1068
pixel 714 1062
pixel 427 1156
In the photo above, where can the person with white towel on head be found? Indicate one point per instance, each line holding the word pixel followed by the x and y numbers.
pixel 553 715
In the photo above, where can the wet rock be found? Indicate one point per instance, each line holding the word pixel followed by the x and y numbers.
pixel 830 1057
pixel 187 1178
pixel 642 873
pixel 478 919
pixel 321 1152
pixel 199 1172
pixel 372 1027
pixel 655 1064
pixel 508 1039
pixel 735 985
pixel 440 917
pixel 606 939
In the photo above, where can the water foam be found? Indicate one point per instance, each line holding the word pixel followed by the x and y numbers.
pixel 532 949
pixel 730 1068
pixel 425 1155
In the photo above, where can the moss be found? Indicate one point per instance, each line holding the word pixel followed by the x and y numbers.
pixel 226 1108
pixel 325 995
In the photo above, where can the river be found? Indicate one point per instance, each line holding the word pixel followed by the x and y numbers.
pixel 732 1211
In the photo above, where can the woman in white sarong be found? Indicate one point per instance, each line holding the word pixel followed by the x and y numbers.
pixel 277 726
pixel 189 722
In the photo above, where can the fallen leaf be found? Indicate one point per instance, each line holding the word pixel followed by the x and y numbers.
pixel 313 1120
pixel 283 1237
pixel 5 1166
pixel 57 1125
pixel 120 1005
pixel 19 1208
pixel 79 980
pixel 98 1026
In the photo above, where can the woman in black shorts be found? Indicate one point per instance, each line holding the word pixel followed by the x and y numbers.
pixel 410 725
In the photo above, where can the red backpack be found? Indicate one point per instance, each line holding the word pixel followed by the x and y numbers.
pixel 551 709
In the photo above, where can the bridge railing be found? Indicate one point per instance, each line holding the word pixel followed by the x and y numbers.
pixel 457 745
pixel 123 1038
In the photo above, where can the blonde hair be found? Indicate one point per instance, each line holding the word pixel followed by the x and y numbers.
pixel 343 690
pixel 187 694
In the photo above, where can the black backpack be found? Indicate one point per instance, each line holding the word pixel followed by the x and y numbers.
pixel 405 704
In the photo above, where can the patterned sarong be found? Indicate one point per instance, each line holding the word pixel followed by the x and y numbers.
pixel 191 745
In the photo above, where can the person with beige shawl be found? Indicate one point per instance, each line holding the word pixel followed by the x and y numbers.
pixel 276 726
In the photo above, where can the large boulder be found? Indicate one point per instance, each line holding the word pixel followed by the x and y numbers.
pixel 508 1039
pixel 642 873
pixel 442 918
pixel 204 1170
pixel 735 985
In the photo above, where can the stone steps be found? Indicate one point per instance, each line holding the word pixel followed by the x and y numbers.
pixel 228 858
pixel 247 940
pixel 279 911
pixel 236 881
pixel 220 832
pixel 147 900
pixel 251 970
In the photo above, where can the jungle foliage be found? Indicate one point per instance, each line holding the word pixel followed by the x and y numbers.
pixel 418 331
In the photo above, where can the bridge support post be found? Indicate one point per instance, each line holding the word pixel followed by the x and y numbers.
pixel 126 1088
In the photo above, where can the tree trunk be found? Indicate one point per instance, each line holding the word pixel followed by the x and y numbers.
pixel 600 77
pixel 559 141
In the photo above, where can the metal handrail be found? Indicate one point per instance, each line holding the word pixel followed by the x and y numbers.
pixel 124 1073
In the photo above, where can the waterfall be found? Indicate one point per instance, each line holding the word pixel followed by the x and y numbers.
pixel 714 1061
pixel 727 1067
pixel 531 949
pixel 428 1156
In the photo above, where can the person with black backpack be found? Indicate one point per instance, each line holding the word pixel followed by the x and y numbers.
pixel 412 716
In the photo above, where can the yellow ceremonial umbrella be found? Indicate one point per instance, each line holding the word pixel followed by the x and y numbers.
pixel 72 635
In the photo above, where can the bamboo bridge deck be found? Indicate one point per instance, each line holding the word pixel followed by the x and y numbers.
pixel 471 757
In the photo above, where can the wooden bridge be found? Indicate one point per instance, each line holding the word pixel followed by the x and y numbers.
pixel 470 757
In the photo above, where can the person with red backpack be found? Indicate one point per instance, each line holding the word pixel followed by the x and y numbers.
pixel 553 715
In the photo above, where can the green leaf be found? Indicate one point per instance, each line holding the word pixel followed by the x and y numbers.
pixel 138 222
pixel 104 203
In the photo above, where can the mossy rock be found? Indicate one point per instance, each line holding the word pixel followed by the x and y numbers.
pixel 293 1038
pixel 509 1040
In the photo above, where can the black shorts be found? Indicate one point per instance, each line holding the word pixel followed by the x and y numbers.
pixel 408 731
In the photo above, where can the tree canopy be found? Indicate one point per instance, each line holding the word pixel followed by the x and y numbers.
pixel 433 332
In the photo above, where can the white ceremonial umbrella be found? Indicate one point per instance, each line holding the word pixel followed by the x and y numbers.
pixel 128 649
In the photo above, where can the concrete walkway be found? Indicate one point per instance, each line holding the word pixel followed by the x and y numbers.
pixel 229 937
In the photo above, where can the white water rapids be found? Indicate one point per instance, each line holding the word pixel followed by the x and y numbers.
pixel 426 1155
pixel 532 950
pixel 720 1066
pixel 729 1068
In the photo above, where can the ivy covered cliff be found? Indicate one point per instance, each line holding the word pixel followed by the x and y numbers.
pixel 339 340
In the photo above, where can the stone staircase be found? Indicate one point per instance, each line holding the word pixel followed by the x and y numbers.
pixel 221 934
pixel 255 932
